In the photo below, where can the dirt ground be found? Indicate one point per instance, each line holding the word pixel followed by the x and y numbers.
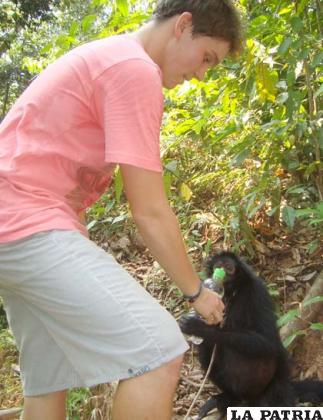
pixel 281 260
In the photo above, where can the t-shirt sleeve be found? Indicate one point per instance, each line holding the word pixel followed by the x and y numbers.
pixel 128 101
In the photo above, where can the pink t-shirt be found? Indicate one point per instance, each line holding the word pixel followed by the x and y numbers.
pixel 99 105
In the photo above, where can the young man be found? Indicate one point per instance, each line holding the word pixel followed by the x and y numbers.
pixel 78 318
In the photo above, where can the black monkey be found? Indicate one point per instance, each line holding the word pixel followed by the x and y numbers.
pixel 251 365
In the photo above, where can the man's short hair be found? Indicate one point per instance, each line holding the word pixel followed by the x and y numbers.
pixel 214 18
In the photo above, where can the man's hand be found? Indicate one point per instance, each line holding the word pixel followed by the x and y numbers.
pixel 209 306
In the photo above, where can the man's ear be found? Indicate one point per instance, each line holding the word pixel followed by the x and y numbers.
pixel 182 23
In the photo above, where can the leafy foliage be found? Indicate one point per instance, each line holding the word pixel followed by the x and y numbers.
pixel 253 127
pixel 245 144
pixel 292 314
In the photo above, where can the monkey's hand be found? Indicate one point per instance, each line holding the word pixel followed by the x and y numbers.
pixel 191 324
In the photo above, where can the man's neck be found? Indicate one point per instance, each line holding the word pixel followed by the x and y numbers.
pixel 154 38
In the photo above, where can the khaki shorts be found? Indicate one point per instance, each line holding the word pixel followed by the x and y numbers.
pixel 79 319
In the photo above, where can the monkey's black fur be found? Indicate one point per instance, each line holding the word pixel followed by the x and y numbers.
pixel 251 365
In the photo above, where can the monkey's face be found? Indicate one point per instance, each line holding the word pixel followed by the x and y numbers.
pixel 228 265
pixel 224 286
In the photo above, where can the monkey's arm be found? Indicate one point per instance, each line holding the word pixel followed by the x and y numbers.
pixel 248 343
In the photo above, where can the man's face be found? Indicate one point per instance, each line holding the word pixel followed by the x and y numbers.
pixel 188 57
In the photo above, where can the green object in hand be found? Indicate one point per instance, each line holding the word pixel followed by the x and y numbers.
pixel 218 274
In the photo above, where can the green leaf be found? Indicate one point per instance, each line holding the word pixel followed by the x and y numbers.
pixel 91 224
pixel 74 28
pixel 319 208
pixel 197 127
pixel 297 24
pixel 304 212
pixel 315 299
pixel 120 218
pixel 296 189
pixel 123 7
pixel 185 126
pixel 318 59
pixel 319 91
pixel 290 315
pixel 96 3
pixel 286 10
pixel 284 46
pixel 272 211
pixel 186 192
pixel 172 166
pixel 289 216
pixel 294 102
pixel 301 6
pixel 292 165
pixel 315 222
pixel 266 81
pixel 167 183
pixel 65 41
pixel 317 326
pixel 287 342
pixel 87 22
pixel 239 158
pixel 312 247
pixel 46 48
pixel 222 134
pixel 118 185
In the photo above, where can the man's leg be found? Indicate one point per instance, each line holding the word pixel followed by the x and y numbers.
pixel 50 407
pixel 148 396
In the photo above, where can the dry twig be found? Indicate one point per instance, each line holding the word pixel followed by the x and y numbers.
pixel 202 385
